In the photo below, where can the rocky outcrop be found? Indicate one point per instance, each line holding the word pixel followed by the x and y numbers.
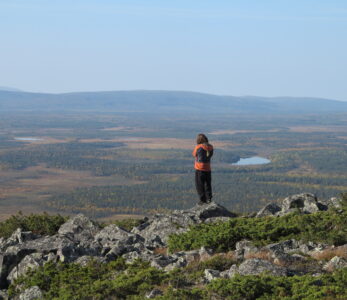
pixel 270 209
pixel 79 240
pixel 304 203
pixel 257 266
pixel 157 229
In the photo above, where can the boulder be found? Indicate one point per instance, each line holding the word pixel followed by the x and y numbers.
pixel 79 228
pixel 85 260
pixel 210 274
pixel 161 226
pixel 305 203
pixel 243 248
pixel 17 237
pixel 31 261
pixel 284 246
pixel 257 266
pixel 230 273
pixel 335 263
pixel 145 255
pixel 33 293
pixel 269 210
pixel 205 253
pixel 3 295
pixel 333 202
pixel 111 234
pixel 211 210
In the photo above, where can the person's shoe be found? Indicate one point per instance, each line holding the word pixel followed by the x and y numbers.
pixel 208 201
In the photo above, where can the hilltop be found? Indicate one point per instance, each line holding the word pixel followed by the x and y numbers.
pixel 164 102
pixel 294 250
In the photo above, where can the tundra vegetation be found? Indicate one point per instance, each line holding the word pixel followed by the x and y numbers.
pixel 119 279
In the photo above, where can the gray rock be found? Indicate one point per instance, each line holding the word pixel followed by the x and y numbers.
pixel 333 202
pixel 32 293
pixel 335 263
pixel 305 203
pixel 210 210
pixel 243 248
pixel 211 274
pixel 225 274
pixel 179 262
pixel 111 234
pixel 3 295
pixel 190 256
pixel 205 253
pixel 160 226
pixel 85 260
pixel 285 259
pixel 257 266
pixel 161 261
pixel 17 237
pixel 269 210
pixel 116 251
pixel 31 261
pixel 231 272
pixel 79 228
pixel 145 255
pixel 284 246
pixel 153 293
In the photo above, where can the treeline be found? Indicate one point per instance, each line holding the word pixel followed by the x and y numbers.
pixel 239 192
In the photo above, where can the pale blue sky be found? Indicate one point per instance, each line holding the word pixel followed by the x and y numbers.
pixel 255 47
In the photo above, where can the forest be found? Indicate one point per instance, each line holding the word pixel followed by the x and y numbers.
pixel 105 164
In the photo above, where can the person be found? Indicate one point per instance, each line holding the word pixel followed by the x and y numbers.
pixel 203 153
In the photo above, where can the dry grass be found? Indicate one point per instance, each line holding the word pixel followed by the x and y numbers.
pixel 162 251
pixel 330 253
pixel 262 254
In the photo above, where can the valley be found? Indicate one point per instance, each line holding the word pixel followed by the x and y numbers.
pixel 109 164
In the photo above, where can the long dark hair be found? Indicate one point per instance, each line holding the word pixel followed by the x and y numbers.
pixel 201 139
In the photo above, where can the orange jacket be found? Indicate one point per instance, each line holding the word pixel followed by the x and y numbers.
pixel 203 154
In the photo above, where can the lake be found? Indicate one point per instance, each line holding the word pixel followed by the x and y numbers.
pixel 255 160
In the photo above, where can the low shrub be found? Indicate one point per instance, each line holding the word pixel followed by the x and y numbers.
pixel 43 224
pixel 328 227
pixel 94 281
pixel 286 288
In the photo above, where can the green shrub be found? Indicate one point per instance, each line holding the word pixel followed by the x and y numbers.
pixel 328 227
pixel 330 286
pixel 94 281
pixel 43 224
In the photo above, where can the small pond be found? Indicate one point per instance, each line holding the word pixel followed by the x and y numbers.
pixel 255 160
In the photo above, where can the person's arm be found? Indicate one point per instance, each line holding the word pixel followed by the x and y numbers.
pixel 194 151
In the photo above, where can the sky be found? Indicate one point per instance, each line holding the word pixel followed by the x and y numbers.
pixel 245 47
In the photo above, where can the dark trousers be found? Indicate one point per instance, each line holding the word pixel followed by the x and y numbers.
pixel 203 185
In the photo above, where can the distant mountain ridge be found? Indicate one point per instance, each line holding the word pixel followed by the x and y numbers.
pixel 164 102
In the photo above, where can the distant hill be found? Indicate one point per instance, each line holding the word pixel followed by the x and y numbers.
pixel 164 102
pixel 9 89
